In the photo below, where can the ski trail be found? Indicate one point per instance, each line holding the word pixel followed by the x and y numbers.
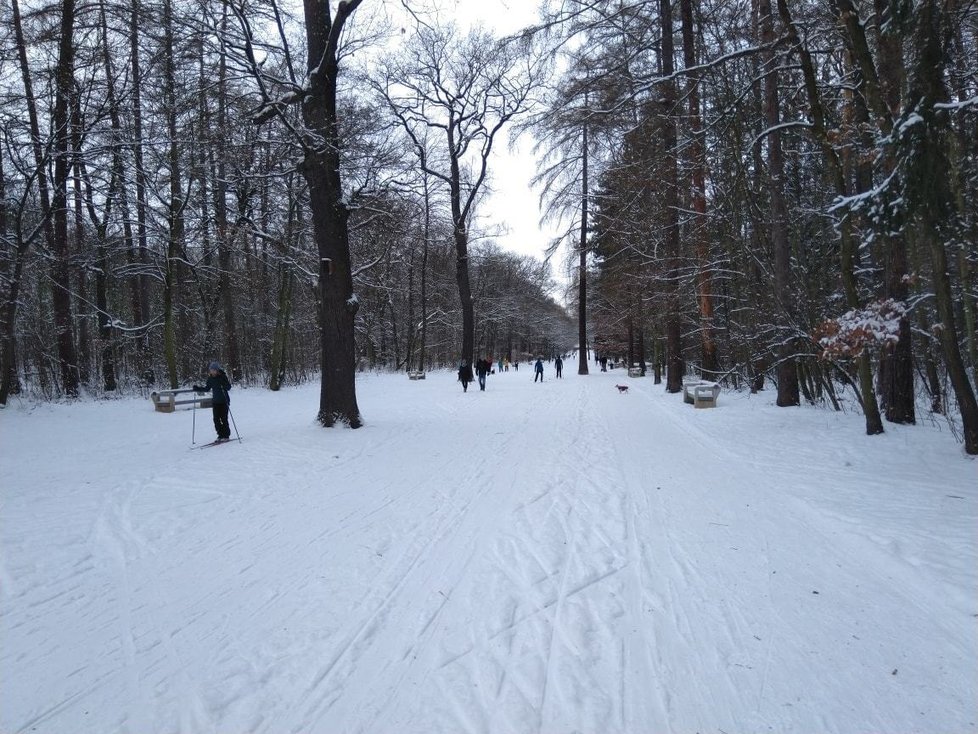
pixel 546 558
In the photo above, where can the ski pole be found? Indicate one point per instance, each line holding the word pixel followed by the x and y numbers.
pixel 234 424
pixel 193 431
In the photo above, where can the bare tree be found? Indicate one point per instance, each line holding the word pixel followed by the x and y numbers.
pixel 465 90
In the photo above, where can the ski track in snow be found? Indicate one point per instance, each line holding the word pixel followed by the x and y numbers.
pixel 535 558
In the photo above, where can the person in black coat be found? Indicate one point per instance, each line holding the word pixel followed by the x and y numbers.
pixel 559 366
pixel 465 375
pixel 482 368
pixel 218 384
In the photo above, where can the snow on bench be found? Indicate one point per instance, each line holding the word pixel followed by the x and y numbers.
pixel 701 394
pixel 415 375
pixel 165 401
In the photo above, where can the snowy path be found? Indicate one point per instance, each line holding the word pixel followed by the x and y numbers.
pixel 536 558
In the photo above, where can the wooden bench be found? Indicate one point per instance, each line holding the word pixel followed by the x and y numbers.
pixel 415 375
pixel 701 394
pixel 165 401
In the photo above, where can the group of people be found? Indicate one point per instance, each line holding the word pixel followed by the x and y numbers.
pixel 484 368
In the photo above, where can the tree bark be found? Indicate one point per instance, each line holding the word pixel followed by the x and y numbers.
pixel 60 278
pixel 582 368
pixel 141 309
pixel 788 390
pixel 697 173
pixel 931 203
pixel 675 367
pixel 330 215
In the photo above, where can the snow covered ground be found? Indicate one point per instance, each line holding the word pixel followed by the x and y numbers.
pixel 535 558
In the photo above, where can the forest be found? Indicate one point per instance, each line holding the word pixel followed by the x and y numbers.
pixel 772 194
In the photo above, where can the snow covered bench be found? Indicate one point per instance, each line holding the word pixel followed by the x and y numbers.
pixel 634 371
pixel 701 394
pixel 415 375
pixel 165 401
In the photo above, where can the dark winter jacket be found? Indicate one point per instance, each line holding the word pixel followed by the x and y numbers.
pixel 482 368
pixel 538 367
pixel 218 385
pixel 465 372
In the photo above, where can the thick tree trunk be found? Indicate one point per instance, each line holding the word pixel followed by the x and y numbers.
pixel 330 215
pixel 675 366
pixel 60 277
pixel 424 276
pixel 175 219
pixel 233 356
pixel 931 202
pixel 788 390
pixel 582 368
pixel 697 172
pixel 140 284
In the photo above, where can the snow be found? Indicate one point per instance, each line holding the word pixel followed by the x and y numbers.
pixel 553 557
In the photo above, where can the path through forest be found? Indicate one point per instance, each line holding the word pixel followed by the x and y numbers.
pixel 535 558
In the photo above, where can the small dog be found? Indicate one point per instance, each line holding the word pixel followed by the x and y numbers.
pixel 622 388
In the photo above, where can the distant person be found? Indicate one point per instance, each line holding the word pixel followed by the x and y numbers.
pixel 538 370
pixel 218 384
pixel 482 368
pixel 506 365
pixel 516 365
pixel 559 366
pixel 604 364
pixel 465 375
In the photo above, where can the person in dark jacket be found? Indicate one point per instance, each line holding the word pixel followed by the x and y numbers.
pixel 559 366
pixel 538 370
pixel 218 384
pixel 482 368
pixel 465 375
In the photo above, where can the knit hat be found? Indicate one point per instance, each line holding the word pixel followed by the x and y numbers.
pixel 214 366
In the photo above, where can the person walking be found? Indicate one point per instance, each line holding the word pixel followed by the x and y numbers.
pixel 218 384
pixel 559 366
pixel 482 368
pixel 465 374
pixel 538 370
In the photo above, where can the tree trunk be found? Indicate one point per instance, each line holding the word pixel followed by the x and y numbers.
pixel 675 367
pixel 60 279
pixel 788 391
pixel 424 275
pixel 233 356
pixel 175 220
pixel 697 173
pixel 931 203
pixel 582 368
pixel 330 215
pixel 880 85
pixel 141 309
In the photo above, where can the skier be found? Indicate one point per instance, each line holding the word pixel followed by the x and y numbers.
pixel 538 370
pixel 465 375
pixel 219 384
pixel 559 365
